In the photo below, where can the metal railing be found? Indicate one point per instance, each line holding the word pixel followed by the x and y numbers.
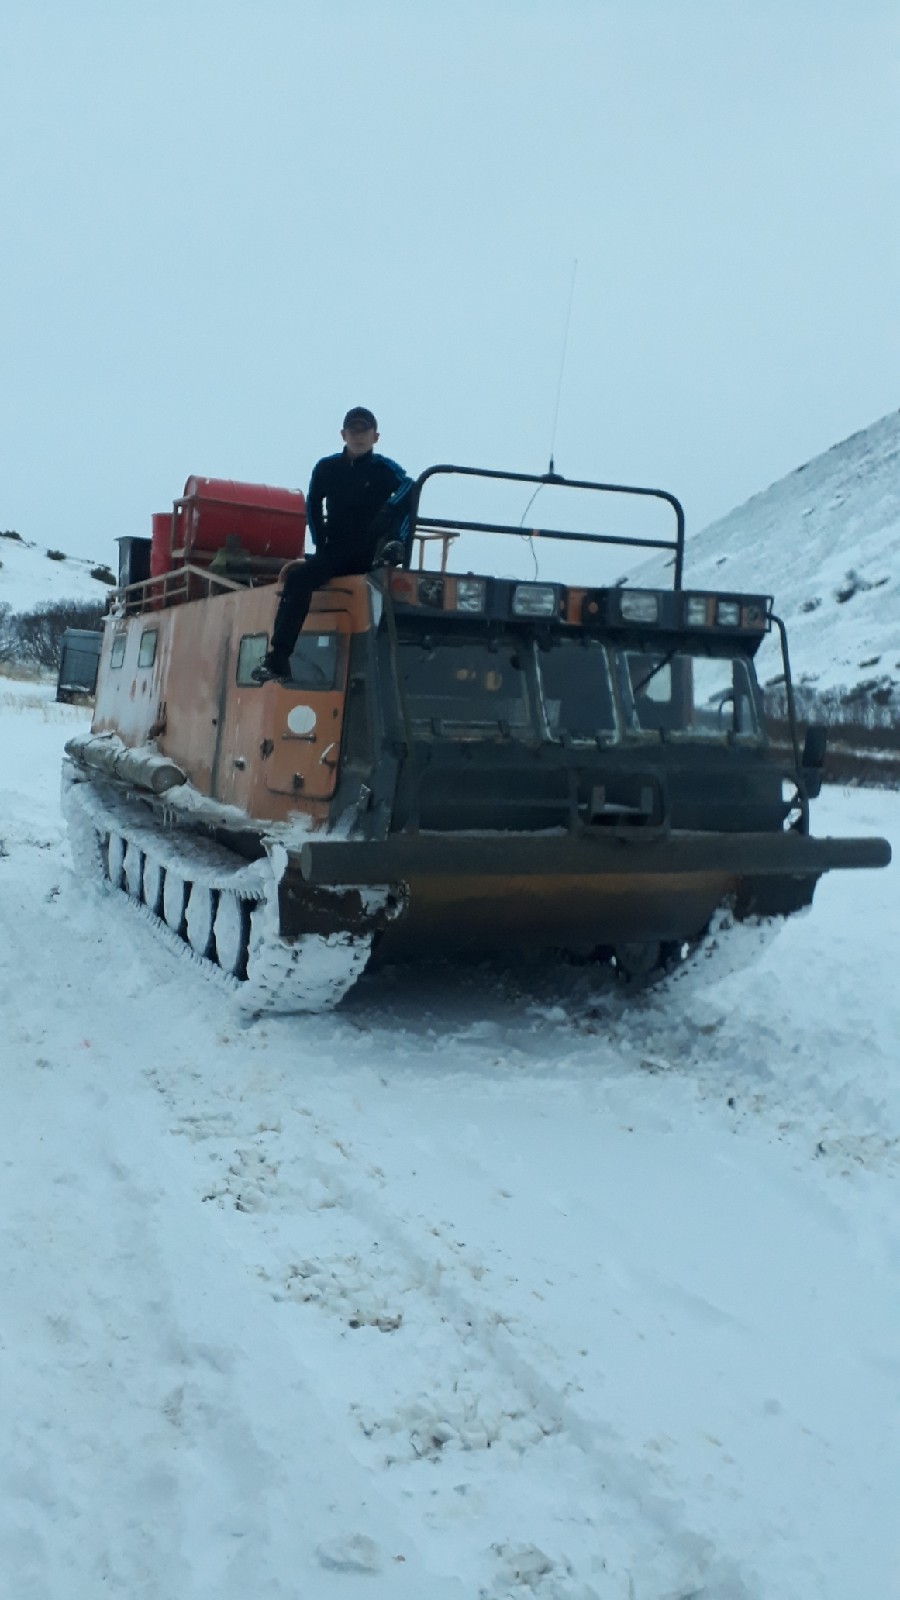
pixel 181 584
pixel 445 527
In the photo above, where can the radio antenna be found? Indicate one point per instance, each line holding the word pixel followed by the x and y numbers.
pixel 551 472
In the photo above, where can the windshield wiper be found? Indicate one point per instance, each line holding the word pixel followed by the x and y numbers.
pixel 637 687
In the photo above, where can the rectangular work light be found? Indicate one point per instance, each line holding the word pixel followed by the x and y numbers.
pixel 696 611
pixel 470 594
pixel 638 605
pixel 534 600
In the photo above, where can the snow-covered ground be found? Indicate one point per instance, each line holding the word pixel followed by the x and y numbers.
pixel 487 1285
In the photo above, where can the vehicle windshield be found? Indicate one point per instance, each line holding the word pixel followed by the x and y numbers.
pixel 690 697
pixel 464 688
pixel 577 692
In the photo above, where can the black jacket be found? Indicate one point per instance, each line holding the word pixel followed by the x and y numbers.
pixel 354 502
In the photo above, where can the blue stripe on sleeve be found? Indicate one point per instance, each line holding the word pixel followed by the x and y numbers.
pixel 404 484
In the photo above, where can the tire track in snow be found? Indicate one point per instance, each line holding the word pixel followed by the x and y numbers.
pixel 362 1263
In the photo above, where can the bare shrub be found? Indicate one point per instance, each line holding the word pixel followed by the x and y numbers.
pixel 34 638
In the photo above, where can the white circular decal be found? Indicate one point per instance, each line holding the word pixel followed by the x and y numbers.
pixel 301 719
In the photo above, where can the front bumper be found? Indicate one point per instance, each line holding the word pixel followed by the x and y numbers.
pixel 401 858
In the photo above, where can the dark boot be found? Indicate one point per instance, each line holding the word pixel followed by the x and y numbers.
pixel 276 667
pixel 390 554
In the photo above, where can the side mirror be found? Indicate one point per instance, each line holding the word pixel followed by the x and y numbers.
pixel 813 761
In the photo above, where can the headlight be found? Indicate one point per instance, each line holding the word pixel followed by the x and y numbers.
pixel 638 605
pixel 534 600
pixel 470 594
pixel 728 614
pixel 431 592
pixel 695 611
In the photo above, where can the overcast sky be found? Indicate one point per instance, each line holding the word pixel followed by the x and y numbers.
pixel 225 223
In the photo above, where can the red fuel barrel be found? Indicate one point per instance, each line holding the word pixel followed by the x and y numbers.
pixel 264 521
pixel 160 543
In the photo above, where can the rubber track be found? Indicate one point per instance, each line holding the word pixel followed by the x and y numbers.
pixel 311 973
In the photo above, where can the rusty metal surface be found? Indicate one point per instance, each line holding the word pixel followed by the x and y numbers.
pixel 511 916
pixel 516 916
pixel 402 858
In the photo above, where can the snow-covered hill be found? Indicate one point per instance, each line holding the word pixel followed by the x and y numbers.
pixel 30 577
pixel 825 541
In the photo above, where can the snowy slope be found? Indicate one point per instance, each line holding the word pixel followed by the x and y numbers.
pixel 825 541
pixel 29 578
pixel 479 1288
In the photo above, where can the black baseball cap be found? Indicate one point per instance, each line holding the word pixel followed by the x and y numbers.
pixel 360 417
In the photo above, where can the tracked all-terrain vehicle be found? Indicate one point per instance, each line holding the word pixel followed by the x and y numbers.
pixel 461 764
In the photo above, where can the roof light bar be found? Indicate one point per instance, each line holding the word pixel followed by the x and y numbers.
pixel 714 614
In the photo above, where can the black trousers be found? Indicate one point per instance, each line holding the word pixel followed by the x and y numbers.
pixel 301 583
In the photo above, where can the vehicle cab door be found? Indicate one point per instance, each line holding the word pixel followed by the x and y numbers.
pixel 309 712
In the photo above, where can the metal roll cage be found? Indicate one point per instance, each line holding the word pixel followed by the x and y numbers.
pixel 441 526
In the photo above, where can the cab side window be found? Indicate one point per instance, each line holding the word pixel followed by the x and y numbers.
pixel 314 663
pixel 147 652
